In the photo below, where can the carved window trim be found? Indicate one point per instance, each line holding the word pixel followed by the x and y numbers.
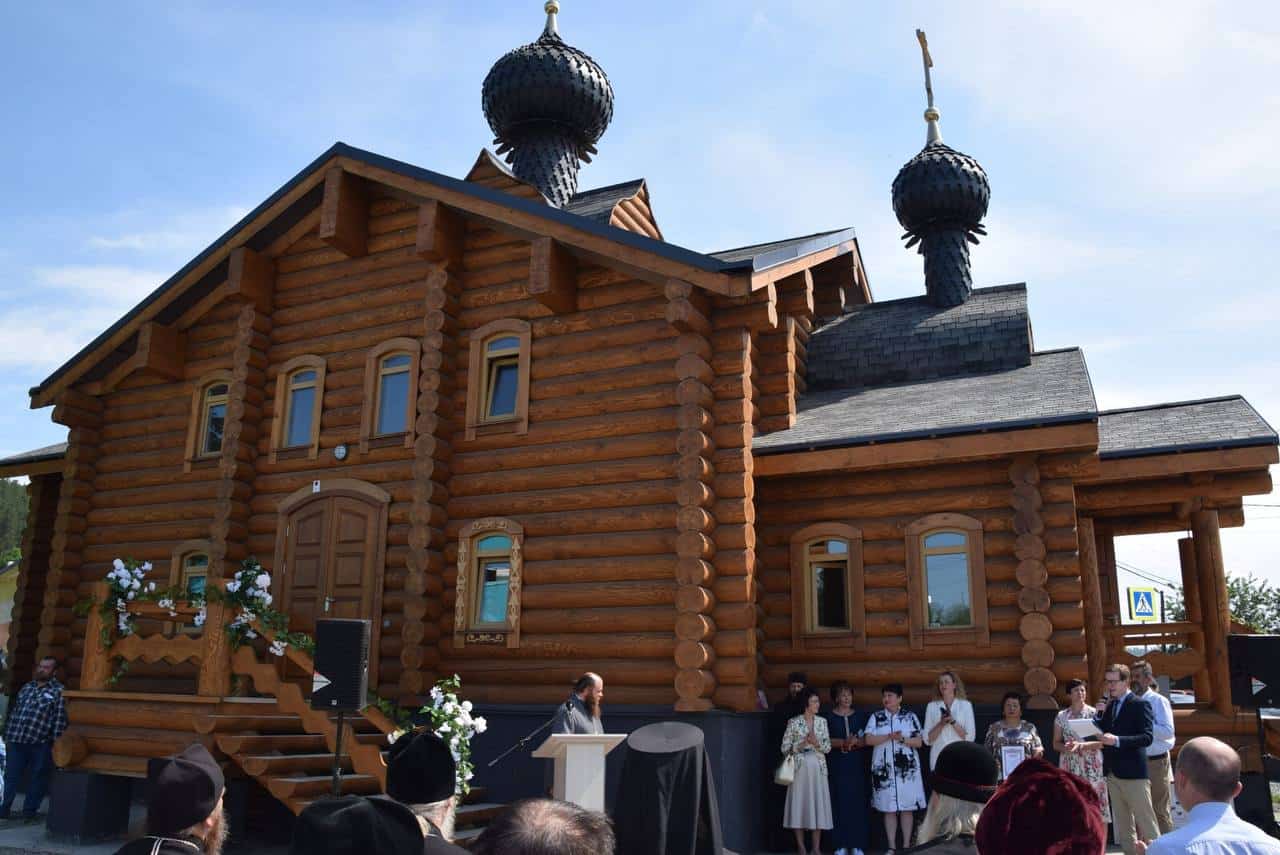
pixel 917 593
pixel 372 390
pixel 478 378
pixel 803 633
pixel 280 422
pixel 199 414
pixel 466 586
pixel 178 575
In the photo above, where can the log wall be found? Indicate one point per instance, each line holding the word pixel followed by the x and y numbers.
pixel 28 599
pixel 882 504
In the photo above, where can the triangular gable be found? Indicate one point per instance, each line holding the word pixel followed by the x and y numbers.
pixel 490 171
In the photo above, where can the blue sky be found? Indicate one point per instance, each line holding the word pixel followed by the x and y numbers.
pixel 1135 186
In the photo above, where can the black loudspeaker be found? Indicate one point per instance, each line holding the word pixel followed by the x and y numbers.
pixel 1254 803
pixel 341 677
pixel 1255 670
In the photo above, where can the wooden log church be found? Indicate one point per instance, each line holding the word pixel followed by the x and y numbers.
pixel 525 435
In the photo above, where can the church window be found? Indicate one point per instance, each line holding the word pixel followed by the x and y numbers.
pixel 487 607
pixel 209 397
pixel 827 585
pixel 390 393
pixel 298 402
pixel 946 581
pixel 498 378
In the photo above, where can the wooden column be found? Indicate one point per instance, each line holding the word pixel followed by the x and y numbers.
pixel 1110 580
pixel 96 670
pixel 1195 613
pixel 82 414
pixel 695 657
pixel 424 579
pixel 28 599
pixel 229 531
pixel 1214 605
pixel 1094 627
pixel 1032 574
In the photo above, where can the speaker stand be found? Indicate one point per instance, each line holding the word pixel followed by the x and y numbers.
pixel 337 754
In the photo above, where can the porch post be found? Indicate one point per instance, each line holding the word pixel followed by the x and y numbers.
pixel 1213 604
pixel 1195 614
pixel 96 669
pixel 215 667
pixel 1095 637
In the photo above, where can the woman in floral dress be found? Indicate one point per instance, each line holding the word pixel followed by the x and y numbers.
pixel 1077 756
pixel 897 788
pixel 1012 730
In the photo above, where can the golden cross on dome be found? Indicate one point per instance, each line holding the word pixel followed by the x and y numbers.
pixel 931 114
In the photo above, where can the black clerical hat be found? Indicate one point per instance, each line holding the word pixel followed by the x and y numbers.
pixel 420 769
pixel 182 790
pixel 356 824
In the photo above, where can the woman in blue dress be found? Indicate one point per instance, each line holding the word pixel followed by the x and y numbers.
pixel 847 773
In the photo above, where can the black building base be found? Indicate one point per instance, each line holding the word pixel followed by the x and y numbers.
pixel 88 807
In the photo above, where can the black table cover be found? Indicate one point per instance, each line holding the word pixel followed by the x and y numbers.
pixel 667 800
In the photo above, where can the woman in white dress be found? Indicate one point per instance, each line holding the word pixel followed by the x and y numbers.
pixel 897 787
pixel 949 718
pixel 808 798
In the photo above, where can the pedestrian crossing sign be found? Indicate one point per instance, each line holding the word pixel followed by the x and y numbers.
pixel 1142 605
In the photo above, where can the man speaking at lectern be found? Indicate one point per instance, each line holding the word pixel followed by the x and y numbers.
pixel 581 713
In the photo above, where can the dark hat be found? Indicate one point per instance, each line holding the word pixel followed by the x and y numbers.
pixel 797 677
pixel 356 824
pixel 182 790
pixel 966 771
pixel 1041 808
pixel 420 769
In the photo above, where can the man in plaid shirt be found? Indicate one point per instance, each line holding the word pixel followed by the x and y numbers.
pixel 38 717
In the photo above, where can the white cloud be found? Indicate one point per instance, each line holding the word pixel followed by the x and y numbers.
pixel 185 232
pixel 104 282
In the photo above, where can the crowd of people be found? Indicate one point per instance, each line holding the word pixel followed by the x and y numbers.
pixel 1113 768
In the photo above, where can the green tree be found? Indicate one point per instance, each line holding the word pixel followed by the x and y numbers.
pixel 13 514
pixel 1253 602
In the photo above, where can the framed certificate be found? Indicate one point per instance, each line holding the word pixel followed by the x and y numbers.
pixel 1010 757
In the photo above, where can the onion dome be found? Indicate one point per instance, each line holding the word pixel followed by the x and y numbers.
pixel 548 103
pixel 940 197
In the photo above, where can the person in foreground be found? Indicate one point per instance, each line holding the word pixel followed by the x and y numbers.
pixel 38 717
pixel 808 798
pixel 1044 810
pixel 350 824
pixel 184 806
pixel 422 776
pixel 964 779
pixel 1206 781
pixel 546 827
pixel 1128 727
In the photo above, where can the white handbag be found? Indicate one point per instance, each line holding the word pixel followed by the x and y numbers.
pixel 786 772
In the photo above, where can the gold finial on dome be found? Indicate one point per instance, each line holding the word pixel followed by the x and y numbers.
pixel 552 8
pixel 931 114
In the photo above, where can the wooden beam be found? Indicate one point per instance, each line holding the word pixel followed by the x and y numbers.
pixel 972 446
pixel 31 470
pixel 1202 684
pixel 795 294
pixel 1172 491
pixel 1164 523
pixel 758 312
pixel 1157 465
pixel 1091 588
pixel 553 276
pixel 440 234
pixel 251 276
pixel 804 262
pixel 1214 605
pixel 344 213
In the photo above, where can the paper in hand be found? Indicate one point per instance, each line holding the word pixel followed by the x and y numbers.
pixel 1083 728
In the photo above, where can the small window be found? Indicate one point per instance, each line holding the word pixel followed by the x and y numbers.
pixel 946 573
pixel 498 378
pixel 487 608
pixel 827 578
pixel 188 572
pixel 946 581
pixel 301 402
pixel 390 394
pixel 195 572
pixel 298 402
pixel 213 420
pixel 393 394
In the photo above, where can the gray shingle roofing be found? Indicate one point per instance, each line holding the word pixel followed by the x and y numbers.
pixel 599 203
pixel 1054 387
pixel 36 455
pixel 1228 422
pixel 901 341
pixel 762 256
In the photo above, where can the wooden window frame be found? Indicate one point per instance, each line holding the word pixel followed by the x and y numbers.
pixel 917 592
pixel 464 604
pixel 195 427
pixel 177 566
pixel 372 377
pixel 478 379
pixel 803 635
pixel 280 422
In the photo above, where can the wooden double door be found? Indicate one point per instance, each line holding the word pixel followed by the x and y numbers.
pixel 331 550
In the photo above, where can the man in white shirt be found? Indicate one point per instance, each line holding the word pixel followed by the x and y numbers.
pixel 1161 743
pixel 1207 780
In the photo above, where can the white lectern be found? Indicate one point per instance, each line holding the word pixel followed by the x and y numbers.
pixel 579 759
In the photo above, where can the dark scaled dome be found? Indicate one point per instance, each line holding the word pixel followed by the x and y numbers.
pixel 941 188
pixel 548 103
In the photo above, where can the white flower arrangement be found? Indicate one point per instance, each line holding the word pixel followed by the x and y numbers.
pixel 452 721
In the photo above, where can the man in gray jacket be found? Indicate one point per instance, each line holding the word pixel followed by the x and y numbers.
pixel 581 713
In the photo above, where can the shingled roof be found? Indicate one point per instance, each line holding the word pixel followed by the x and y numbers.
pixel 1052 388
pixel 36 455
pixel 902 341
pixel 1212 423
pixel 598 204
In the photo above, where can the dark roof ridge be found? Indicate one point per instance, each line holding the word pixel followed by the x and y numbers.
pixel 991 289
pixel 607 187
pixel 1170 404
pixel 780 240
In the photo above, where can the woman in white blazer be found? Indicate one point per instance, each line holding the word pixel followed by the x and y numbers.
pixel 949 717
